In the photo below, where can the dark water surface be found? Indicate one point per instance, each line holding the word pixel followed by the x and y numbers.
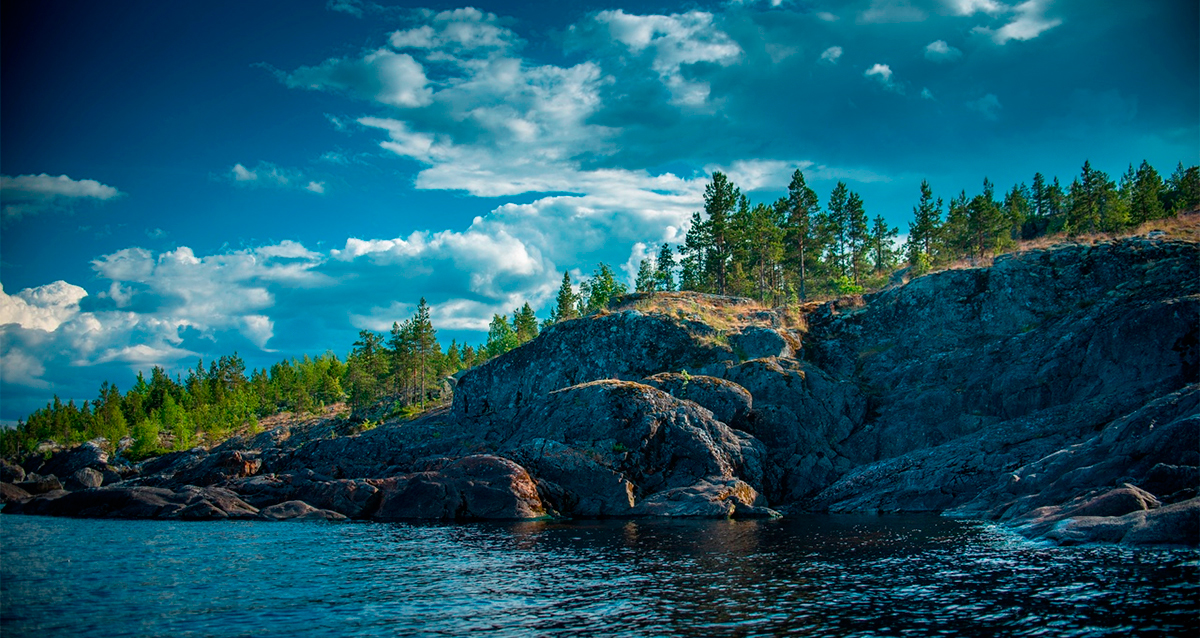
pixel 805 575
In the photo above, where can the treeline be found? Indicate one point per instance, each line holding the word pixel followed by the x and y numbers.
pixel 163 414
pixel 794 248
pixel 782 252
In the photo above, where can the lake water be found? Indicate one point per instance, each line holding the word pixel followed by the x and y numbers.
pixel 808 575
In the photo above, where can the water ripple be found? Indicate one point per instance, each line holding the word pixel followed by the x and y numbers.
pixel 816 576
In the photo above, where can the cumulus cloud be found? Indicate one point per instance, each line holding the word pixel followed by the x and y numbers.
pixel 32 194
pixel 939 51
pixel 831 54
pixel 988 106
pixel 970 7
pixel 42 308
pixel 883 74
pixel 673 42
pixel 1030 22
pixel 459 31
pixel 384 76
pixel 266 174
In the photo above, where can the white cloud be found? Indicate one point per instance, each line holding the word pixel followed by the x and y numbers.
pixel 674 41
pixel 831 54
pixel 883 73
pixel 459 31
pixel 42 308
pixel 890 12
pixel 970 7
pixel 826 16
pixel 266 174
pixel 33 194
pixel 927 94
pixel 988 106
pixel 1029 23
pixel 940 51
pixel 387 77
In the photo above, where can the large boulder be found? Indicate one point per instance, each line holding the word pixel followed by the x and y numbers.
pixel 11 472
pixel 729 402
pixel 10 493
pixel 298 511
pixel 710 498
pixel 601 447
pixel 68 462
pixel 84 478
pixel 473 488
pixel 191 503
pixel 352 498
pixel 38 484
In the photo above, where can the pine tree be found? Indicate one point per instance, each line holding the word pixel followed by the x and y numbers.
pixel 764 244
pixel 525 323
pixel 646 281
pixel 597 292
pixel 802 205
pixel 501 337
pixel 1145 200
pixel 693 265
pixel 454 359
pixel 857 235
pixel 424 339
pixel 1017 209
pixel 837 226
pixel 664 276
pixel 721 198
pixel 565 307
pixel 986 226
pixel 923 230
pixel 882 250
pixel 1183 189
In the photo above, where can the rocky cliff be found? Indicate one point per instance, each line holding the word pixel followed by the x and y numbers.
pixel 1056 390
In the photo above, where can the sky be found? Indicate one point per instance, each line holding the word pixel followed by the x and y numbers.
pixel 182 180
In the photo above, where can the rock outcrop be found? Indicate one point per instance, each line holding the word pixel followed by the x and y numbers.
pixel 1057 391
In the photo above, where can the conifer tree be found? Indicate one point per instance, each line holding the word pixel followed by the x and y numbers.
pixel 883 252
pixel 721 198
pixel 1017 209
pixel 501 337
pixel 857 235
pixel 646 281
pixel 923 230
pixel 837 226
pixel 424 339
pixel 525 323
pixel 1145 200
pixel 693 270
pixel 802 206
pixel 597 292
pixel 664 269
pixel 565 304
pixel 1183 189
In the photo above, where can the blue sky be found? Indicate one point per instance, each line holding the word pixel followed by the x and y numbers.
pixel 186 179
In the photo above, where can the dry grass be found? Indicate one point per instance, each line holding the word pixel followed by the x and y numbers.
pixel 722 313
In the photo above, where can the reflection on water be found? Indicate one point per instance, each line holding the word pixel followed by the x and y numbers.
pixel 815 575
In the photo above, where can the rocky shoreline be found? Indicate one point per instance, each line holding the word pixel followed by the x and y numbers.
pixel 1055 391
